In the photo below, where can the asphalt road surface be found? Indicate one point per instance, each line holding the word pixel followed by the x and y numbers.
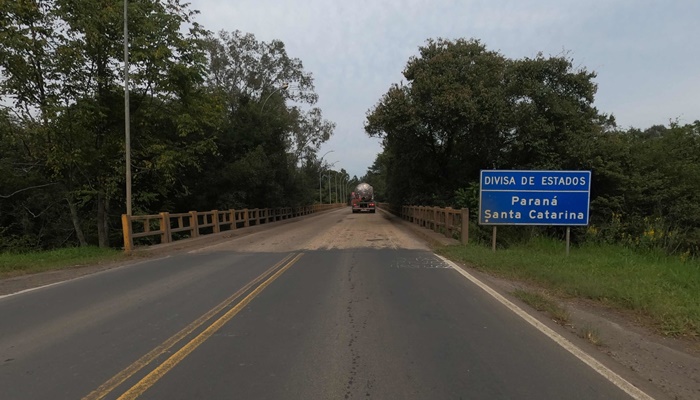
pixel 332 306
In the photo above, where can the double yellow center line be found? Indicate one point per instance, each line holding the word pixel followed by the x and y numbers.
pixel 162 369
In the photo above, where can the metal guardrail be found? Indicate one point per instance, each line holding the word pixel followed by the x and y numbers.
pixel 164 225
pixel 448 221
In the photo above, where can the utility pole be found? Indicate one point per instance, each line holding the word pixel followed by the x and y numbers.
pixel 127 123
pixel 320 176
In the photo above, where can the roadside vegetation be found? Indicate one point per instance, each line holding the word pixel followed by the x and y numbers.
pixel 541 301
pixel 14 264
pixel 462 108
pixel 658 289
pixel 219 120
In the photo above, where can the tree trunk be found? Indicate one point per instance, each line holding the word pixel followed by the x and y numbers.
pixel 106 224
pixel 76 222
pixel 102 230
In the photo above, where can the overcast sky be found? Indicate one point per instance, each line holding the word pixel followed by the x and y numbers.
pixel 646 53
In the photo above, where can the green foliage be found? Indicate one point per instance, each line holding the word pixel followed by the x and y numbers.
pixel 541 301
pixel 61 64
pixel 265 149
pixel 210 125
pixel 13 264
pixel 645 190
pixel 468 197
pixel 465 108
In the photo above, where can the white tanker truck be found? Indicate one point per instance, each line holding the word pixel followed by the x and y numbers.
pixel 363 199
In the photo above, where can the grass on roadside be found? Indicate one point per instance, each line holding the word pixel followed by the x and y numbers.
pixel 542 302
pixel 591 334
pixel 14 264
pixel 657 287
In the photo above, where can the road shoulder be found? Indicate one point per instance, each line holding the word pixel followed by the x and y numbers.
pixel 670 365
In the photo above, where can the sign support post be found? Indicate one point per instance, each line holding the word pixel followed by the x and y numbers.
pixel 493 239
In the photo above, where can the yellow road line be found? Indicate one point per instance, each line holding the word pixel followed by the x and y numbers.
pixel 150 379
pixel 137 365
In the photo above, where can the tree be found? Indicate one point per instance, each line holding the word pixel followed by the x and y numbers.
pixel 264 144
pixel 61 61
pixel 31 206
pixel 308 132
pixel 445 123
pixel 247 70
pixel 551 106
pixel 30 60
pixel 645 189
pixel 465 108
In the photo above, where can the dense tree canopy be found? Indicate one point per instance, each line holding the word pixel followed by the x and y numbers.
pixel 210 122
pixel 263 143
pixel 464 108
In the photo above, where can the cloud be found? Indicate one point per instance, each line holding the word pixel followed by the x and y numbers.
pixel 645 52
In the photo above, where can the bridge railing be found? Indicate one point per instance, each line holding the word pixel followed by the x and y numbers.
pixel 168 227
pixel 453 223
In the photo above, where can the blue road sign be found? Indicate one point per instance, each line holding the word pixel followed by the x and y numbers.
pixel 534 197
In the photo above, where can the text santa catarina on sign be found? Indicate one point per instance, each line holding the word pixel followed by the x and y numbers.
pixel 534 197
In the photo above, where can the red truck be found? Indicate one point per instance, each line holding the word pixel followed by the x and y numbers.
pixel 363 199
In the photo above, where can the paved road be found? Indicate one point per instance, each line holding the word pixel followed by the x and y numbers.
pixel 335 306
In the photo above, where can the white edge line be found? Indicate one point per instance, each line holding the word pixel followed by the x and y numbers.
pixel 608 374
pixel 30 290
pixel 76 278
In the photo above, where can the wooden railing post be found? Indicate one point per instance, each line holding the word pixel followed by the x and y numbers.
pixel 126 228
pixel 194 223
pixel 233 218
pixel 435 217
pixel 465 226
pixel 165 227
pixel 246 220
pixel 215 220
pixel 448 222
